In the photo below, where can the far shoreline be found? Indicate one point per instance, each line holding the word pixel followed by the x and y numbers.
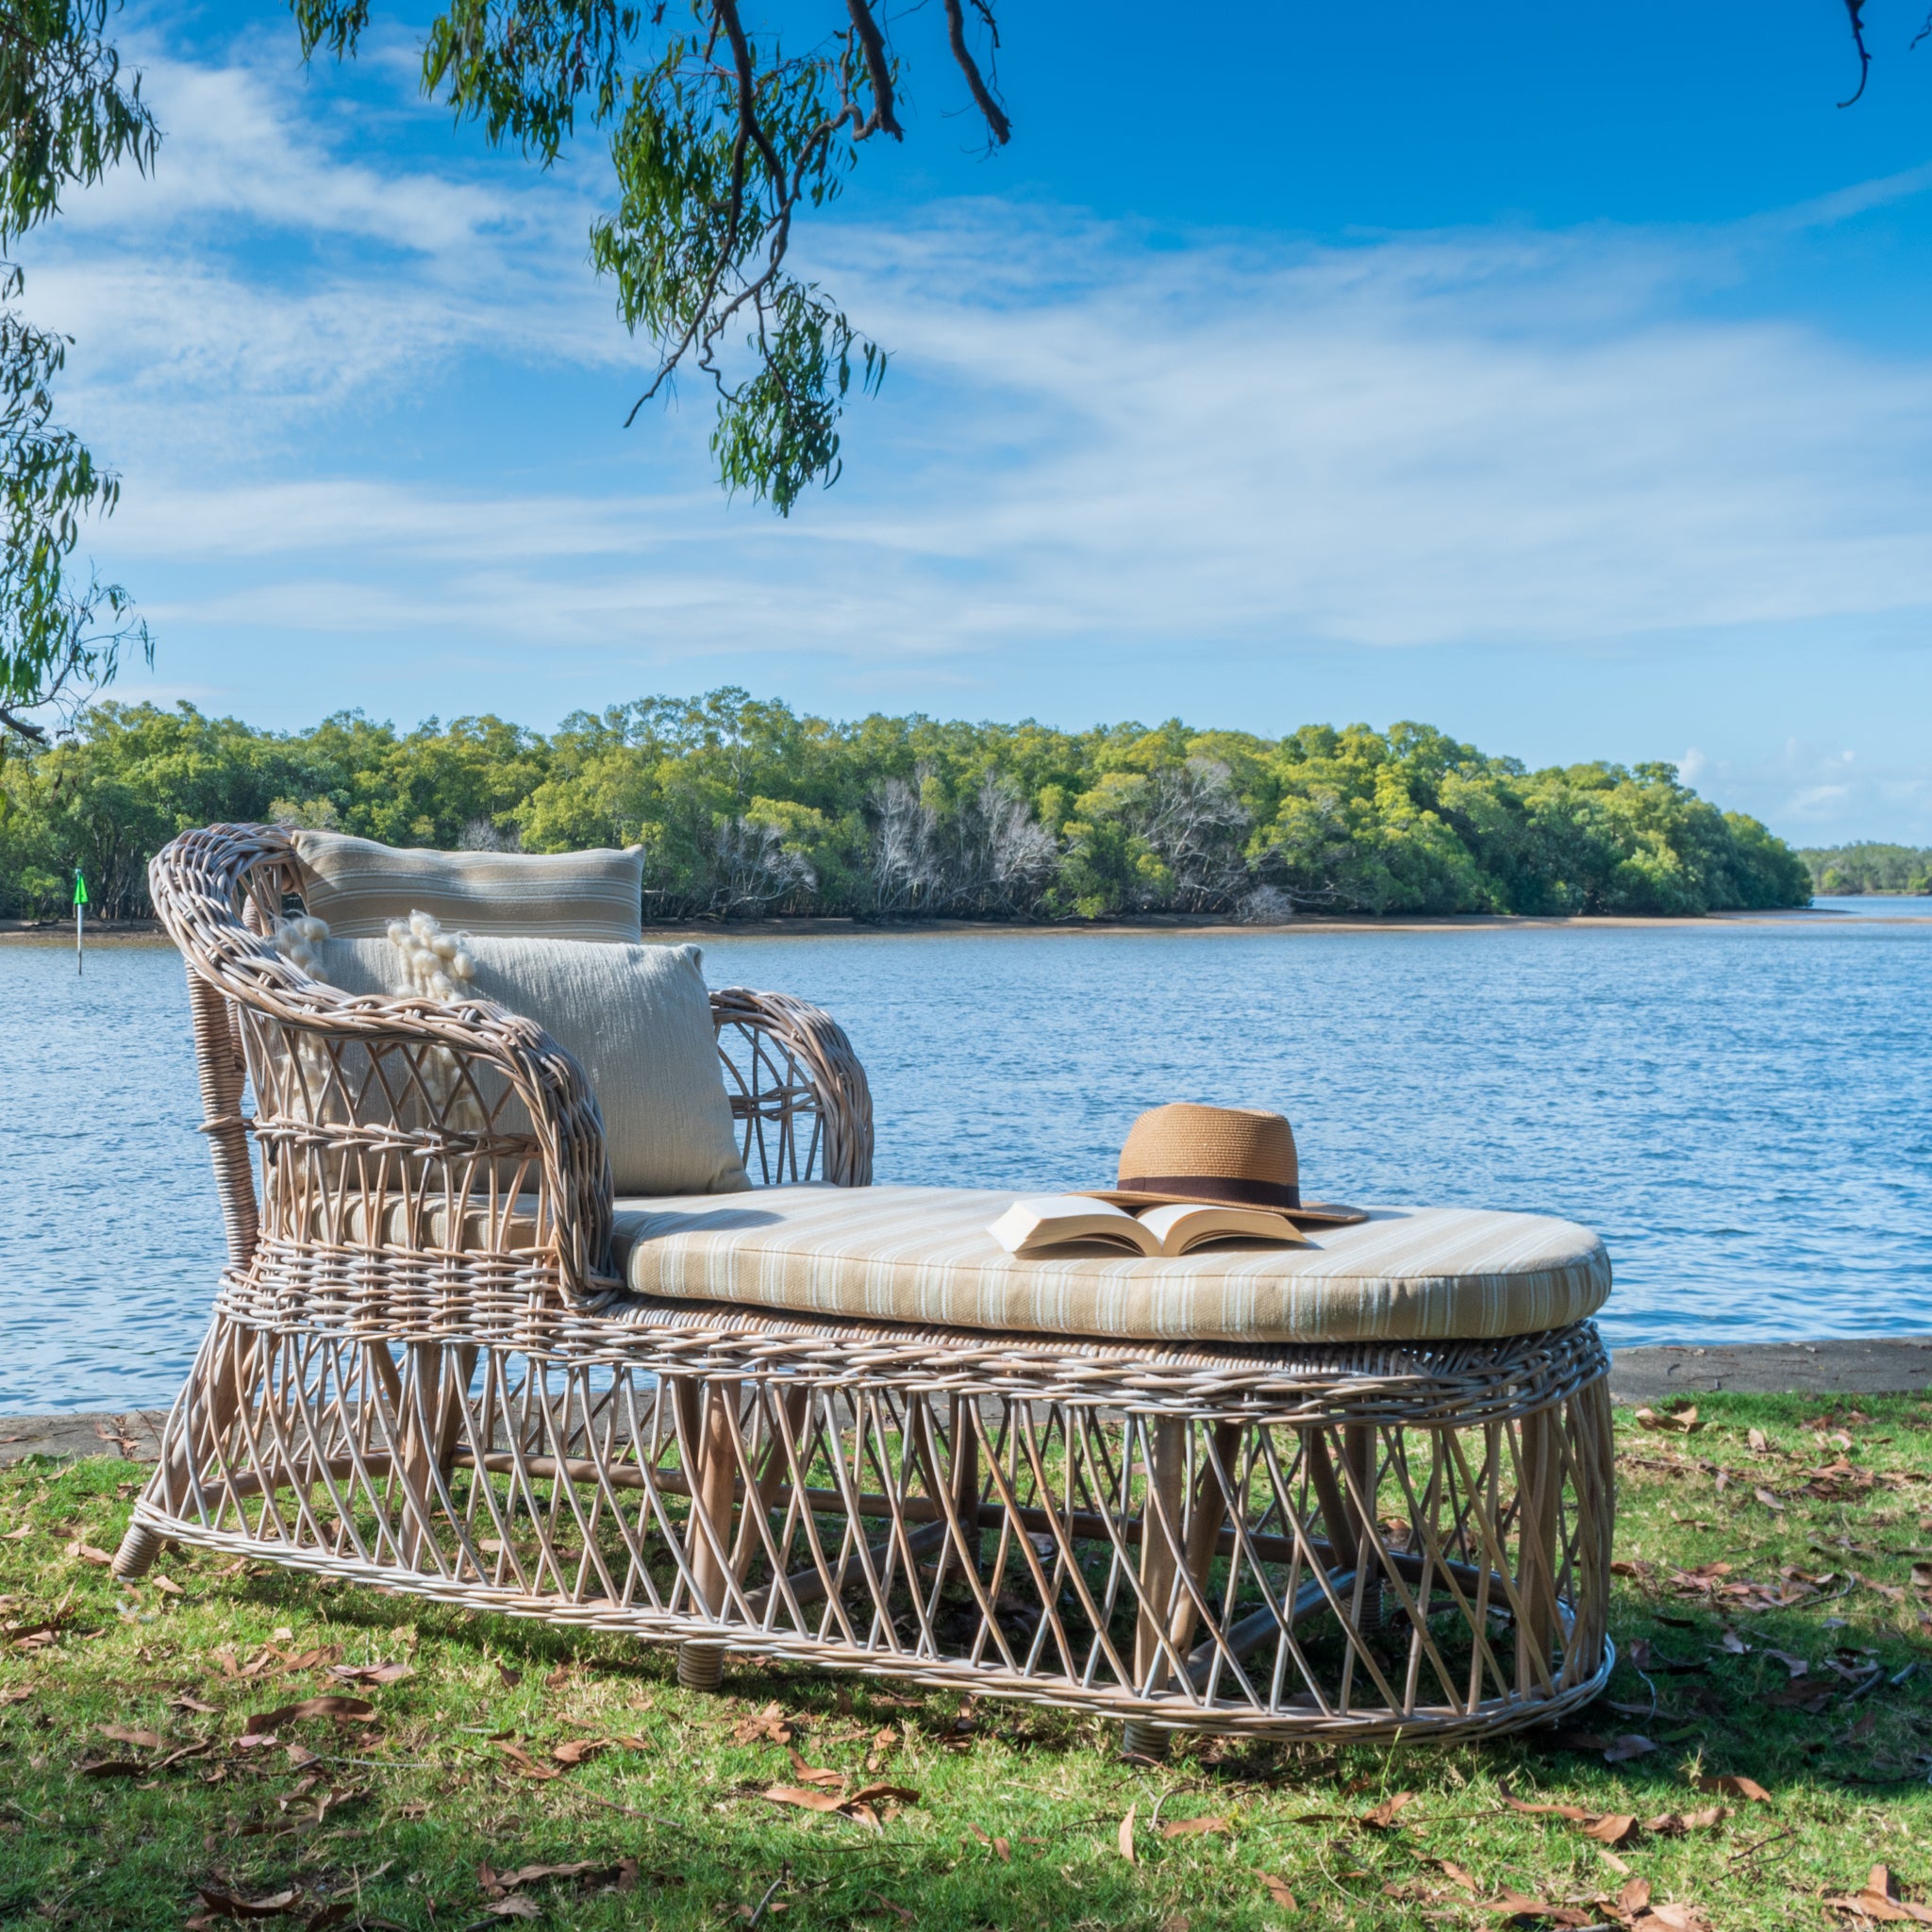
pixel 148 932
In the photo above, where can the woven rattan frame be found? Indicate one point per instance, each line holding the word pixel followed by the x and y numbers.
pixel 422 1374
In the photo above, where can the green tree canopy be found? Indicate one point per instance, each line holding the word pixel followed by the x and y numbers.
pixel 745 807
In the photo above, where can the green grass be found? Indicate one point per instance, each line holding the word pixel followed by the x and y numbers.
pixel 420 1797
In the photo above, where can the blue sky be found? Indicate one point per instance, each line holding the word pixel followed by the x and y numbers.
pixel 1559 377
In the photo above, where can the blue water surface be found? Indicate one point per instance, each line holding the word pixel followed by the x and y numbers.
pixel 1743 1109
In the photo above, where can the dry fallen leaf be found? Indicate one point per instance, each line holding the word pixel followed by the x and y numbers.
pixel 814 1774
pixel 524 1762
pixel 166 1585
pixel 1681 1421
pixel 1880 1901
pixel 1382 1817
pixel 1574 1813
pixel 1759 1441
pixel 345 1709
pixel 1673 1918
pixel 575 1750
pixel 1197 1827
pixel 1457 1876
pixel 1277 1890
pixel 517 1905
pixel 1612 1828
pixel 1126 1837
pixel 1729 1786
pixel 510 1678
pixel 770 1722
pixel 87 1553
pixel 1770 1501
pixel 127 1734
pixel 372 1673
pixel 218 1904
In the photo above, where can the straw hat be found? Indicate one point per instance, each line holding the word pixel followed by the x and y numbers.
pixel 1236 1156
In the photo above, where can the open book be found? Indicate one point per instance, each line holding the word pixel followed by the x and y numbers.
pixel 1047 1220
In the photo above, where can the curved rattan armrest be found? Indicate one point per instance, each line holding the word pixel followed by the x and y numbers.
pixel 815 1072
pixel 205 882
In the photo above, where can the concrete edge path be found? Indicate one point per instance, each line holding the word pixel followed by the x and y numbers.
pixel 1870 1365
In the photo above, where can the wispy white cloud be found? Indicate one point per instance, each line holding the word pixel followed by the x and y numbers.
pixel 1417 443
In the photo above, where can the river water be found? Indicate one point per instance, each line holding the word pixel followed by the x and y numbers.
pixel 1743 1109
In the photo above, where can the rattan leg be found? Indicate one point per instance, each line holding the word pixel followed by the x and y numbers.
pixel 1161 1528
pixel 139 1548
pixel 700 1663
pixel 1539 1478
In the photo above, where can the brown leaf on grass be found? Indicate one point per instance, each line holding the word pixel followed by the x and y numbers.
pixel 344 1709
pixel 1457 1876
pixel 112 1767
pixel 166 1585
pixel 1382 1817
pixel 496 1884
pixel 1730 1786
pixel 87 1553
pixel 1124 1838
pixel 19 1694
pixel 1197 1827
pixel 1921 1575
pixel 1676 1824
pixel 1612 1828
pixel 1768 1499
pixel 524 1761
pixel 1758 1440
pixel 576 1750
pixel 219 1903
pixel 517 1905
pixel 1796 1666
pixel 1633 1900
pixel 1277 1890
pixel 129 1734
pixel 1003 1851
pixel 1574 1813
pixel 510 1678
pixel 372 1673
pixel 17 1536
pixel 883 1744
pixel 886 1904
pixel 559 1678
pixel 858 1804
pixel 1681 1421
pixel 1513 1906
pixel 814 1774
pixel 1673 1918
pixel 770 1722
pixel 183 1701
pixel 1880 1901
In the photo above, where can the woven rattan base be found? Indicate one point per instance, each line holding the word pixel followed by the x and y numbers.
pixel 1342 1545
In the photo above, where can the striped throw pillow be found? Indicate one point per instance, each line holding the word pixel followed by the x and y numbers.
pixel 356 887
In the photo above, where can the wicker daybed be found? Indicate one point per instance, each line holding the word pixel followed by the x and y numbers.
pixel 425 1377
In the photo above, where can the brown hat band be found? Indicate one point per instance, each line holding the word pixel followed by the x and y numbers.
pixel 1214 1187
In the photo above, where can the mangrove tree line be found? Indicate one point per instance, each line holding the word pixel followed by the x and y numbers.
pixel 747 808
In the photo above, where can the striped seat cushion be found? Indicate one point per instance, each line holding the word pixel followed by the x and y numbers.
pixel 356 887
pixel 923 1254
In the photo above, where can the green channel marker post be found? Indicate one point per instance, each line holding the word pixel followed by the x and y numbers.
pixel 80 919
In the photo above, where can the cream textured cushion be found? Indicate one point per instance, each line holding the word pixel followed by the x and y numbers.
pixel 356 887
pixel 923 1254
pixel 636 1018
